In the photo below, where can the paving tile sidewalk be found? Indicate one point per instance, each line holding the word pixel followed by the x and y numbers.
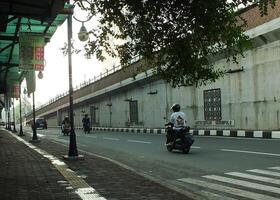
pixel 110 180
pixel 26 175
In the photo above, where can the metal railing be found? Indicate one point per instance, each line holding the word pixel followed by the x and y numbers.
pixel 86 83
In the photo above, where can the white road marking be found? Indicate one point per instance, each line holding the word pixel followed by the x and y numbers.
pixel 265 172
pixel 254 177
pixel 195 147
pixel 250 152
pixel 92 136
pixel 138 141
pixel 244 183
pixel 226 189
pixel 214 196
pixel 238 138
pixel 277 168
pixel 115 139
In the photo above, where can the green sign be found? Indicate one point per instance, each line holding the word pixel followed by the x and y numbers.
pixel 31 51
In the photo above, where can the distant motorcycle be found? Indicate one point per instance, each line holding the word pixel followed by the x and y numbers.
pixel 66 128
pixel 86 128
pixel 183 141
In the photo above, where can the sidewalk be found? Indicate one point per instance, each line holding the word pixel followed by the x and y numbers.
pixel 26 174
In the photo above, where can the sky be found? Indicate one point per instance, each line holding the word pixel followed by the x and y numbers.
pixel 55 75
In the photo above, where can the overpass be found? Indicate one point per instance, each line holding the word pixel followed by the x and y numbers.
pixel 133 98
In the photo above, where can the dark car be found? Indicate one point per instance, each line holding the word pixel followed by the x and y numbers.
pixel 2 123
pixel 41 123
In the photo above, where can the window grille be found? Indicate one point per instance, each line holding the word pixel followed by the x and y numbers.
pixel 133 110
pixel 93 115
pixel 212 104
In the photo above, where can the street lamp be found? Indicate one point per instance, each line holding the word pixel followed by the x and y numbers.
pixel 33 125
pixel 83 36
pixel 9 116
pixel 20 115
pixel 14 118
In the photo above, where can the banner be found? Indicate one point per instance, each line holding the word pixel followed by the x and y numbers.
pixel 13 90
pixel 30 81
pixel 16 91
pixel 31 51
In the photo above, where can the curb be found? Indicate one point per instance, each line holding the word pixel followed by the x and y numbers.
pixel 225 133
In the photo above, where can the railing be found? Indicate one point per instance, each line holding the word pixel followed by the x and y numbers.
pixel 86 83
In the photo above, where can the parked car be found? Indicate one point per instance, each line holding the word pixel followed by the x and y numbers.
pixel 2 123
pixel 41 123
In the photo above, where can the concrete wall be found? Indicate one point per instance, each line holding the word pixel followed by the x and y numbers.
pixel 250 97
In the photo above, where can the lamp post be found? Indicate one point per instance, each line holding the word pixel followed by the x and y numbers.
pixel 73 152
pixel 83 36
pixel 6 117
pixel 34 127
pixel 20 115
pixel 14 118
pixel 9 116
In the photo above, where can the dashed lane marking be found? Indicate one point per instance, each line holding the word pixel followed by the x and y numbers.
pixel 138 141
pixel 107 138
pixel 251 152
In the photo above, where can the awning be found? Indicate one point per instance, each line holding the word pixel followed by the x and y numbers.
pixel 38 17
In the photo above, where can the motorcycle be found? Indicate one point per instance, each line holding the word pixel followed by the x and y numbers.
pixel 66 129
pixel 86 128
pixel 183 141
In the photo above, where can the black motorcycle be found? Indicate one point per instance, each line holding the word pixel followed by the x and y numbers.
pixel 86 128
pixel 182 140
pixel 66 129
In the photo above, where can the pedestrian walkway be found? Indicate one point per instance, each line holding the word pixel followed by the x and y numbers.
pixel 26 175
pixel 257 184
pixel 37 171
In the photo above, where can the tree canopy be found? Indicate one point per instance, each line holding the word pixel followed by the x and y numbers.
pixel 175 36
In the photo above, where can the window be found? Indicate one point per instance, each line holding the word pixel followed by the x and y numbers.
pixel 93 115
pixel 212 104
pixel 59 118
pixel 133 110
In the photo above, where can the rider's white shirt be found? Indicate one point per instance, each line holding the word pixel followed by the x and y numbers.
pixel 178 119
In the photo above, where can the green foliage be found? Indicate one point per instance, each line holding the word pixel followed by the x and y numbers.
pixel 175 36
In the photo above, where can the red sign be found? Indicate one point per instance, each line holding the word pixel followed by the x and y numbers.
pixel 16 91
pixel 39 53
pixel 39 67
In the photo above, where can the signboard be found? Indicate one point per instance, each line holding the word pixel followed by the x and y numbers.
pixel 30 81
pixel 16 91
pixel 225 123
pixel 31 51
pixel 13 90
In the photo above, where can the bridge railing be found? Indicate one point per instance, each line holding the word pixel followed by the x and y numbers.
pixel 107 72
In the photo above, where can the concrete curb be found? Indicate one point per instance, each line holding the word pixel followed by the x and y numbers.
pixel 225 133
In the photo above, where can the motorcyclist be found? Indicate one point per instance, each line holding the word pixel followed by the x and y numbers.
pixel 86 123
pixel 65 123
pixel 178 123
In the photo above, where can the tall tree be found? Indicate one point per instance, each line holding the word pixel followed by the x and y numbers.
pixel 175 36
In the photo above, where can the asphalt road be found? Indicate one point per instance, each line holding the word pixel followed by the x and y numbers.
pixel 216 167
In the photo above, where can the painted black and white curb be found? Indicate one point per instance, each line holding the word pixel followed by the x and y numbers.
pixel 227 133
